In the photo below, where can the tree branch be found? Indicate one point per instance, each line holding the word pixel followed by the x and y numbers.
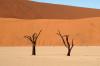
pixel 28 37
pixel 62 38
pixel 67 40
pixel 72 44
pixel 37 35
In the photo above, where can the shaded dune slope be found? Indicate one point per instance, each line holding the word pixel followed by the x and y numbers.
pixel 24 9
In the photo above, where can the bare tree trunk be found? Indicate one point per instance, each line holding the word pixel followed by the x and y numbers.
pixel 33 50
pixel 69 52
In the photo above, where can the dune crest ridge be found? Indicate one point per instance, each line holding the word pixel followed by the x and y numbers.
pixel 25 9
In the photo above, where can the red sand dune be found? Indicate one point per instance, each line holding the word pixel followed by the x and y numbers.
pixel 83 31
pixel 33 16
pixel 24 9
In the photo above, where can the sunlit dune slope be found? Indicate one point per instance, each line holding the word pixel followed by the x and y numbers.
pixel 83 31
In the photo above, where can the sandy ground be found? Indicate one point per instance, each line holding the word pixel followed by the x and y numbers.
pixel 50 56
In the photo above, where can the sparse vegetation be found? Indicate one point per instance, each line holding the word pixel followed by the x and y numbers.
pixel 67 44
pixel 33 39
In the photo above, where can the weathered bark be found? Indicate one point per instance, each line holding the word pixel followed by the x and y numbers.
pixel 69 52
pixel 33 50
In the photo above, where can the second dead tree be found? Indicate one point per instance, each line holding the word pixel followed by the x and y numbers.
pixel 67 44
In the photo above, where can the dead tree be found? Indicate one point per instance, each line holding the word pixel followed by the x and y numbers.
pixel 33 39
pixel 67 44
